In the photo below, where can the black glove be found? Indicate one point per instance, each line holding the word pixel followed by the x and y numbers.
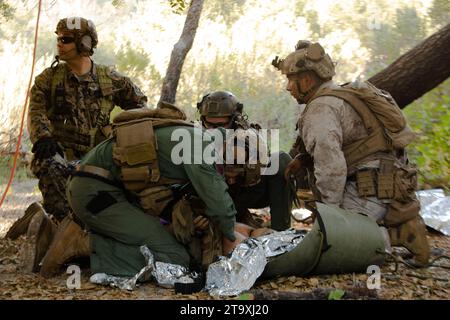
pixel 45 148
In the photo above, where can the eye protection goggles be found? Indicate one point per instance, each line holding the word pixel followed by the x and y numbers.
pixel 65 39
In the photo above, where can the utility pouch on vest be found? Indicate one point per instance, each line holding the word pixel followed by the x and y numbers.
pixel 183 221
pixel 211 245
pixel 385 179
pixel 136 153
pixel 405 184
pixel 153 200
pixel 365 182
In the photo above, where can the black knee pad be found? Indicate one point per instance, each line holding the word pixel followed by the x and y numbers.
pixel 100 202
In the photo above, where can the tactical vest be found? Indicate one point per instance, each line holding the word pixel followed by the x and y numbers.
pixel 70 135
pixel 136 152
pixel 387 131
pixel 384 122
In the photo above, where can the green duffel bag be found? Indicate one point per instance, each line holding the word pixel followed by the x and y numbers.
pixel 340 242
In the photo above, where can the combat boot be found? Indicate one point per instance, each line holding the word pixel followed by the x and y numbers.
pixel 20 227
pixel 412 235
pixel 41 230
pixel 70 242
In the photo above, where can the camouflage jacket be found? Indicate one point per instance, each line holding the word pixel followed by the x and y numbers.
pixel 71 123
pixel 324 127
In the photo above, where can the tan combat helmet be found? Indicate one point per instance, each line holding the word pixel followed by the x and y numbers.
pixel 84 32
pixel 307 56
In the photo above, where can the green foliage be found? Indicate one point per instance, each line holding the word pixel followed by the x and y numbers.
pixel 228 11
pixel 178 6
pixel 6 163
pixel 6 11
pixel 439 13
pixel 429 117
pixel 336 294
pixel 130 59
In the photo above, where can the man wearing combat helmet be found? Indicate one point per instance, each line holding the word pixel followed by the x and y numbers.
pixel 248 188
pixel 69 114
pixel 352 139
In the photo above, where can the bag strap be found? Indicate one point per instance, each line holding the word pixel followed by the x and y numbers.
pixel 57 84
pixel 376 140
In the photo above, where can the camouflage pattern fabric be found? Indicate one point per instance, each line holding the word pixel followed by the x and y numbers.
pixel 71 124
pixel 327 125
pixel 53 174
pixel 81 96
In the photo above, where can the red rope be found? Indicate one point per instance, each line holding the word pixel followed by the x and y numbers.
pixel 16 154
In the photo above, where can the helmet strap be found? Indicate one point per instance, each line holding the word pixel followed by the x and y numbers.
pixel 304 94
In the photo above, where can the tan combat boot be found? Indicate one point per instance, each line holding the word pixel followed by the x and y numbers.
pixel 20 227
pixel 70 241
pixel 41 230
pixel 413 236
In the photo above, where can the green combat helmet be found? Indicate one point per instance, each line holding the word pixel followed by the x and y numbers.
pixel 84 32
pixel 307 56
pixel 219 104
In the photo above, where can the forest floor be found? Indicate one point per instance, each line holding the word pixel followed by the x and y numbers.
pixel 403 283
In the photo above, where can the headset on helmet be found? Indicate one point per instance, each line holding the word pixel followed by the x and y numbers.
pixel 83 30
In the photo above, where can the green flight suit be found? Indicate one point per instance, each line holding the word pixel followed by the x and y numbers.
pixel 272 191
pixel 119 227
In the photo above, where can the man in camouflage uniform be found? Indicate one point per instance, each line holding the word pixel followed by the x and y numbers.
pixel 222 109
pixel 70 109
pixel 327 127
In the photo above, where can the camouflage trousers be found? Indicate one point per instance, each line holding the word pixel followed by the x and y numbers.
pixel 53 174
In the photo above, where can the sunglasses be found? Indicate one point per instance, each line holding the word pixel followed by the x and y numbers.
pixel 65 40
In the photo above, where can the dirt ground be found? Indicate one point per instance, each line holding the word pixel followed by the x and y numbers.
pixel 404 283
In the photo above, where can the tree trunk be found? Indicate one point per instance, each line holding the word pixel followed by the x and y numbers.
pixel 179 52
pixel 417 71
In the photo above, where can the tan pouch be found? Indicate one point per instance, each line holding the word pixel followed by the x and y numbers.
pixel 211 245
pixel 365 182
pixel 183 221
pixel 405 183
pixel 153 200
pixel 385 179
pixel 398 213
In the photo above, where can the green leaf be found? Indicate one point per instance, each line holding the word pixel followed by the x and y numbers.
pixel 336 294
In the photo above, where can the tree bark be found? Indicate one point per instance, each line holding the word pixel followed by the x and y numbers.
pixel 417 71
pixel 179 52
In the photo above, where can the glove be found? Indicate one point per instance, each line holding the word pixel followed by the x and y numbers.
pixel 46 148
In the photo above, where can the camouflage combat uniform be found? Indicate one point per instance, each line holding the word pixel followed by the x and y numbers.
pixel 72 122
pixel 328 124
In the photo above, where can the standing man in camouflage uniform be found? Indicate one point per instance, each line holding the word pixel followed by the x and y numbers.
pixel 352 164
pixel 70 109
pixel 222 109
